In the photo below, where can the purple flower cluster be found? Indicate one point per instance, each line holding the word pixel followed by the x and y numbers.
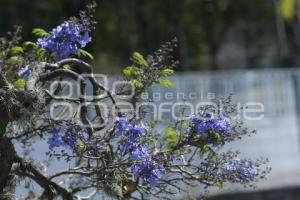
pixel 144 165
pixel 130 133
pixel 240 171
pixel 25 72
pixel 65 40
pixel 211 123
pixel 71 138
pixel 65 137
pixel 55 140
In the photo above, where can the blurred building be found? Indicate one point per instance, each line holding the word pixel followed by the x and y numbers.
pixel 278 133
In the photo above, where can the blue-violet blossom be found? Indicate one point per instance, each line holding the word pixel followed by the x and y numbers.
pixel 145 167
pixel 65 40
pixel 25 72
pixel 55 140
pixel 130 133
pixel 213 123
pixel 240 171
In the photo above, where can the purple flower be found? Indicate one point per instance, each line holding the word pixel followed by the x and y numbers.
pixel 55 141
pixel 138 130
pixel 121 125
pixel 85 39
pixel 215 124
pixel 70 138
pixel 240 171
pixel 130 133
pixel 141 152
pixel 25 71
pixel 220 125
pixel 65 40
pixel 148 170
pixel 66 136
pixel 143 165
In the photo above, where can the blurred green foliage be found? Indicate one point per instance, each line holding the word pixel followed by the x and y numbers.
pixel 288 9
pixel 206 29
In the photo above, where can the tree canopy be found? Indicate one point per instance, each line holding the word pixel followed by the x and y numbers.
pixel 108 150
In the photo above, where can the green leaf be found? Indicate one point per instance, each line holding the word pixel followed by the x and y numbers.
pixel 20 84
pixel 17 49
pixel 288 9
pixel 67 67
pixel 15 59
pixel 127 72
pixel 132 72
pixel 29 43
pixel 167 72
pixel 39 32
pixel 213 158
pixel 41 53
pixel 2 54
pixel 81 145
pixel 137 83
pixel 84 53
pixel 139 59
pixel 165 83
pixel 216 137
pixel 172 137
pixel 219 184
pixel 205 149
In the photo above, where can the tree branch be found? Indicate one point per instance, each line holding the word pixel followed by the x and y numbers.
pixel 27 169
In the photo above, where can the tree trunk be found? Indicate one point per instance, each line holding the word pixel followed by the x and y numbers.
pixel 7 150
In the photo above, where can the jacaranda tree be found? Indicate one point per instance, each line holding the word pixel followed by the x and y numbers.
pixel 122 153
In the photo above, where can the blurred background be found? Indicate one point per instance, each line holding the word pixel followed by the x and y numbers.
pixel 248 48
pixel 212 34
